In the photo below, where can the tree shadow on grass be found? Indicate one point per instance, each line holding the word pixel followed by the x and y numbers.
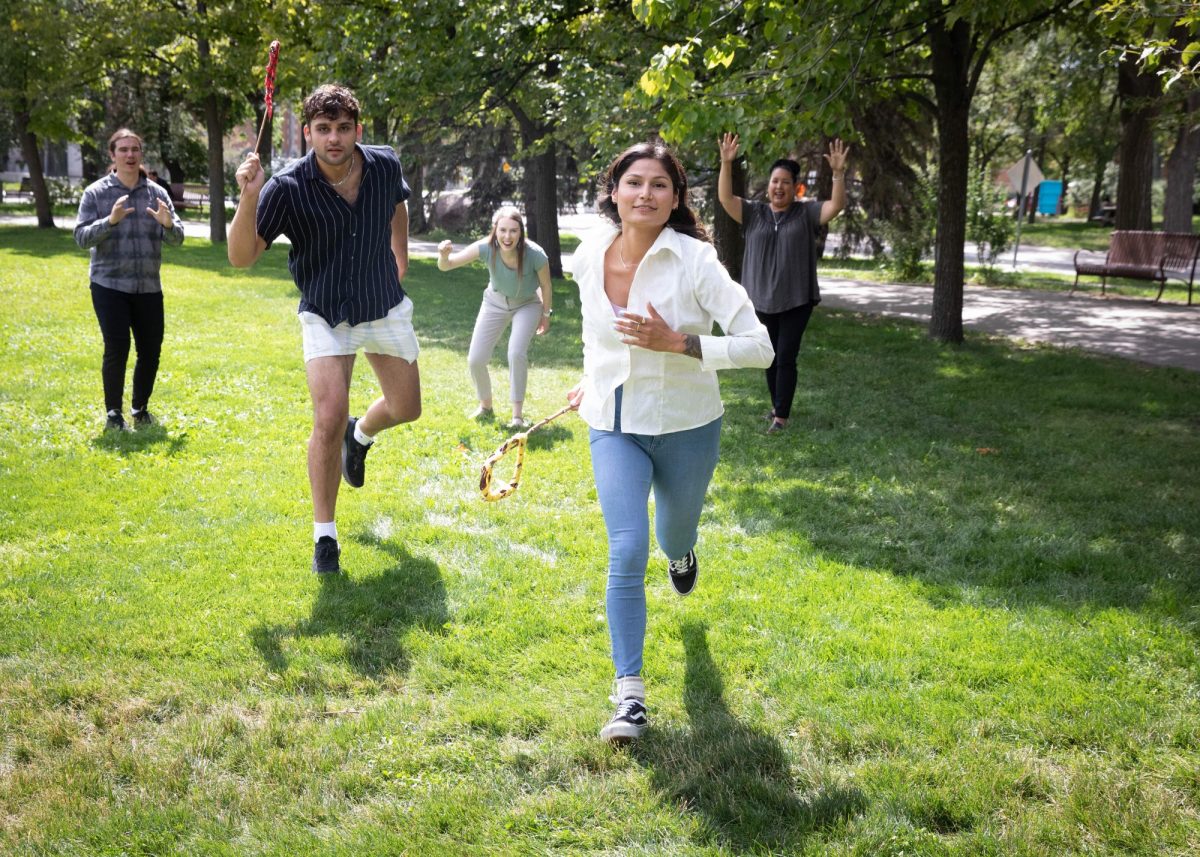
pixel 372 614
pixel 1021 471
pixel 738 779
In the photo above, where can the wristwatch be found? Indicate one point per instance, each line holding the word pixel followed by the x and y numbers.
pixel 546 313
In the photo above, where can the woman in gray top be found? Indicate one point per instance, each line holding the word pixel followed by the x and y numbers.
pixel 779 268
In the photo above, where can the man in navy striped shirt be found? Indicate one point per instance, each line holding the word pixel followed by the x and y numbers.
pixel 343 208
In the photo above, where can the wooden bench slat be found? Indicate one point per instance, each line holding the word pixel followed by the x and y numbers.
pixel 1143 255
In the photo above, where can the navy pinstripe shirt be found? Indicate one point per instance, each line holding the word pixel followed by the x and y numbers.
pixel 341 256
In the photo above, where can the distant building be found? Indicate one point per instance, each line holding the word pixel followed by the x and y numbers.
pixel 59 160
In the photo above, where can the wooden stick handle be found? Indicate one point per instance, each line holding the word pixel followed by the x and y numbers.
pixel 258 142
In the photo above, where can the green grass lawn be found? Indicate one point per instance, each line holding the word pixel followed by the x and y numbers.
pixel 953 610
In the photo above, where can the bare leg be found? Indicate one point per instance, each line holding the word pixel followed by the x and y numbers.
pixel 329 386
pixel 400 381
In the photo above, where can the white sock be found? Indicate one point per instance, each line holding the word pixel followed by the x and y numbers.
pixel 631 686
pixel 361 436
pixel 328 529
pixel 114 413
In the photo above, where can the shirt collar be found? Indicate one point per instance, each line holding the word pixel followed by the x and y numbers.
pixel 308 165
pixel 113 181
pixel 667 240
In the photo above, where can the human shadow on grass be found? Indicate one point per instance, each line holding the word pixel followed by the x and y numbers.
pixel 126 443
pixel 372 614
pixel 736 778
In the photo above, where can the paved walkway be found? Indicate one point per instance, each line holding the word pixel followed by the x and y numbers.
pixel 1163 334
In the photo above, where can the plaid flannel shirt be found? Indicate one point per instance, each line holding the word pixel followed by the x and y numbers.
pixel 125 257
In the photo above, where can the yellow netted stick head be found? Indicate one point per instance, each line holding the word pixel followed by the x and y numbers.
pixel 492 492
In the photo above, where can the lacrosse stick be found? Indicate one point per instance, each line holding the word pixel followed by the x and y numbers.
pixel 517 442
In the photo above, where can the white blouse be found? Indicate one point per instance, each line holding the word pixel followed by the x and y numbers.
pixel 690 288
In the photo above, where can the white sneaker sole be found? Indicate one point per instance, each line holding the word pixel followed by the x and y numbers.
pixel 621 733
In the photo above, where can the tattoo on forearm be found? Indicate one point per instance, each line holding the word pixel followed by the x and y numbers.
pixel 691 346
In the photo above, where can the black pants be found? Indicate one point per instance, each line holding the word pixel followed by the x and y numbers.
pixel 786 329
pixel 119 313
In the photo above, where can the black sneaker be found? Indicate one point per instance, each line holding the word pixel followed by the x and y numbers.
pixel 628 723
pixel 683 573
pixel 325 555
pixel 354 457
pixel 115 422
pixel 142 419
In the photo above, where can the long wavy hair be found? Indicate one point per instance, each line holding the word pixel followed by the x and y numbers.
pixel 507 212
pixel 682 219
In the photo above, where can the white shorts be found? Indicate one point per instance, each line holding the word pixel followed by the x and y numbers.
pixel 393 335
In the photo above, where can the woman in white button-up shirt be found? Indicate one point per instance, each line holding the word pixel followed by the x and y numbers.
pixel 651 288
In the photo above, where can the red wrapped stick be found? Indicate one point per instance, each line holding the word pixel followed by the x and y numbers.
pixel 269 88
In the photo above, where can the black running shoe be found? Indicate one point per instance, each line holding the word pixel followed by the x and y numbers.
pixel 325 555
pixel 115 422
pixel 683 573
pixel 628 723
pixel 142 419
pixel 354 457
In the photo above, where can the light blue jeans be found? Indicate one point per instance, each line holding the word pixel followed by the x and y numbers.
pixel 678 466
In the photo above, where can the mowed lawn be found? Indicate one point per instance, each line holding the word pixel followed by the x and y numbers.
pixel 954 609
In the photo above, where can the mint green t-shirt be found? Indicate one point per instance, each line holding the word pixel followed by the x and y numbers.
pixel 504 279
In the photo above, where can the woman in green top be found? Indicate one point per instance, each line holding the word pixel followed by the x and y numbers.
pixel 518 292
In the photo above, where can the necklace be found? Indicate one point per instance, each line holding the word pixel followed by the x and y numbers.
pixel 621 253
pixel 342 180
pixel 776 215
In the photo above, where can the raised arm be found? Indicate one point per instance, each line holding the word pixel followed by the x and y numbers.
pixel 244 245
pixel 830 208
pixel 729 201
pixel 448 261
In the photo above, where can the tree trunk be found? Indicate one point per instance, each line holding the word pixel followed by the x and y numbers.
pixel 727 232
pixel 1139 104
pixel 1181 170
pixel 417 222
pixel 1097 187
pixel 951 61
pixel 540 188
pixel 1066 181
pixel 543 208
pixel 33 162
pixel 215 127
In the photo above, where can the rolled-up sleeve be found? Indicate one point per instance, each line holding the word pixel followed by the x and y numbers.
pixel 745 344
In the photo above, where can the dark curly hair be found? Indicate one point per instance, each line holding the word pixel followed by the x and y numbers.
pixel 787 164
pixel 331 101
pixel 682 218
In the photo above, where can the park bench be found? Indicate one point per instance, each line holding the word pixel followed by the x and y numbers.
pixel 1142 255
pixel 188 196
